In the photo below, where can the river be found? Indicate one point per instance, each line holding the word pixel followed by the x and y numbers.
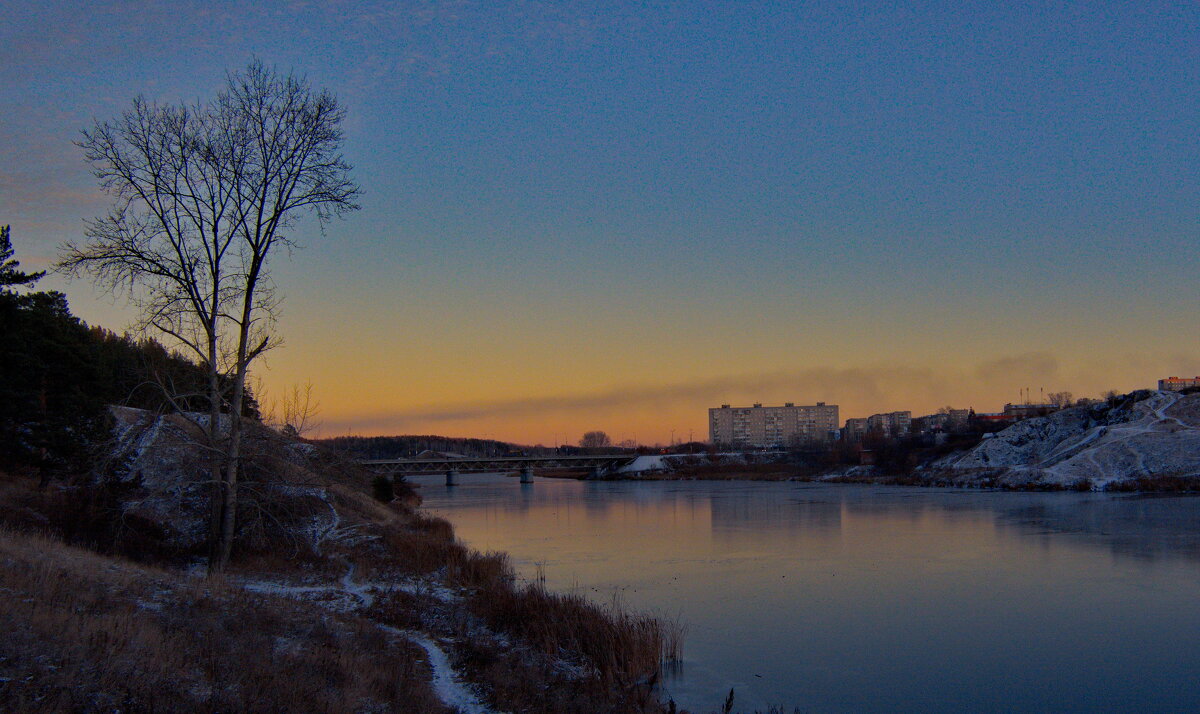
pixel 851 598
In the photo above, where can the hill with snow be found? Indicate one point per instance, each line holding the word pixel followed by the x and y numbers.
pixel 1147 435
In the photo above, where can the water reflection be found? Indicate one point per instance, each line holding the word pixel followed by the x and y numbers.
pixel 748 512
pixel 851 598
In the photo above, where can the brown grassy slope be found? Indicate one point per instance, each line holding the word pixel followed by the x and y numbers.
pixel 86 632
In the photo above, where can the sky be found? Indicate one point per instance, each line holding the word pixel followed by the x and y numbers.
pixel 615 215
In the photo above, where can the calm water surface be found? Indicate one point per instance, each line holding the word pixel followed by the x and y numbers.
pixel 842 598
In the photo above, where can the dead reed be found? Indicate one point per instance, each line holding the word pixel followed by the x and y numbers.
pixel 620 646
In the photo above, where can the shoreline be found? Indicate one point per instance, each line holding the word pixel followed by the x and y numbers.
pixel 989 480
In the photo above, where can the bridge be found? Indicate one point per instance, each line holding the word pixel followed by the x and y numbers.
pixel 596 465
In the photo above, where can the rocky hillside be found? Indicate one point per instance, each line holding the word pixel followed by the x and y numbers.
pixel 1142 437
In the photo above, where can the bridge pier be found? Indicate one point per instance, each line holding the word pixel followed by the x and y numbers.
pixel 594 473
pixel 451 475
pixel 526 475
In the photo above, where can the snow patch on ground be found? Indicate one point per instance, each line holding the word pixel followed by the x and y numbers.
pixel 658 463
pixel 645 463
pixel 348 593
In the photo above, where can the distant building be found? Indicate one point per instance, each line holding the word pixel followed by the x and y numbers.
pixel 855 429
pixel 891 424
pixel 772 426
pixel 1178 384
pixel 951 421
pixel 986 418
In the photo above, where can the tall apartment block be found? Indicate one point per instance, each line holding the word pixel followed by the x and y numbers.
pixel 771 426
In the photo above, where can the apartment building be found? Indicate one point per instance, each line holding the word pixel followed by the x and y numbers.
pixel 855 429
pixel 951 421
pixel 1176 384
pixel 891 424
pixel 772 426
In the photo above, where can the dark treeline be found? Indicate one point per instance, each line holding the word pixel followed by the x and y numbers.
pixel 405 447
pixel 409 446
pixel 58 375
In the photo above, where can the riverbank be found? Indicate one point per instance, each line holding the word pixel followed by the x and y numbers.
pixel 998 479
pixel 334 602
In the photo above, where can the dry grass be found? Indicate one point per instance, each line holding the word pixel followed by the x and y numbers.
pixel 85 632
pixel 614 643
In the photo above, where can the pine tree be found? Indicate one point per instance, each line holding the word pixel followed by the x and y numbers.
pixel 9 275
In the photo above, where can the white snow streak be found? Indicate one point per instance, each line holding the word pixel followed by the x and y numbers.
pixel 448 686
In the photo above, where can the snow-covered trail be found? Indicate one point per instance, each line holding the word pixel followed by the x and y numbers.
pixel 1119 435
pixel 447 683
pixel 1163 417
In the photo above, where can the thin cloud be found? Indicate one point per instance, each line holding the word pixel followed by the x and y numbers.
pixel 1039 366
pixel 856 390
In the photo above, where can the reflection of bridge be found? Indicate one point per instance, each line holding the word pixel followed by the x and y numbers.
pixel 596 465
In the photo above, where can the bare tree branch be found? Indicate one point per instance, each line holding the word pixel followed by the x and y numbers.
pixel 202 195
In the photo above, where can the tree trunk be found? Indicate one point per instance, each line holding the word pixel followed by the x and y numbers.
pixel 233 450
pixel 216 470
pixel 230 485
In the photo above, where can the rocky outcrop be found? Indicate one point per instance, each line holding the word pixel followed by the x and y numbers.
pixel 1145 436
pixel 161 463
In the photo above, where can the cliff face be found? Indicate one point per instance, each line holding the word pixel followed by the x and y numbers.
pixel 1157 436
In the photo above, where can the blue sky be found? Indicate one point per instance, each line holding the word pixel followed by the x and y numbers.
pixel 563 200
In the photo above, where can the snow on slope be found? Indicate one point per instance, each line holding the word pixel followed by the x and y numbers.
pixel 1157 436
pixel 645 464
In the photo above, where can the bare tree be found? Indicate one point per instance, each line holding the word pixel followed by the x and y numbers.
pixel 1061 400
pixel 295 414
pixel 595 440
pixel 204 195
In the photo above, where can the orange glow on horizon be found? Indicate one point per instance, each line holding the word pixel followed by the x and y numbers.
pixel 655 414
